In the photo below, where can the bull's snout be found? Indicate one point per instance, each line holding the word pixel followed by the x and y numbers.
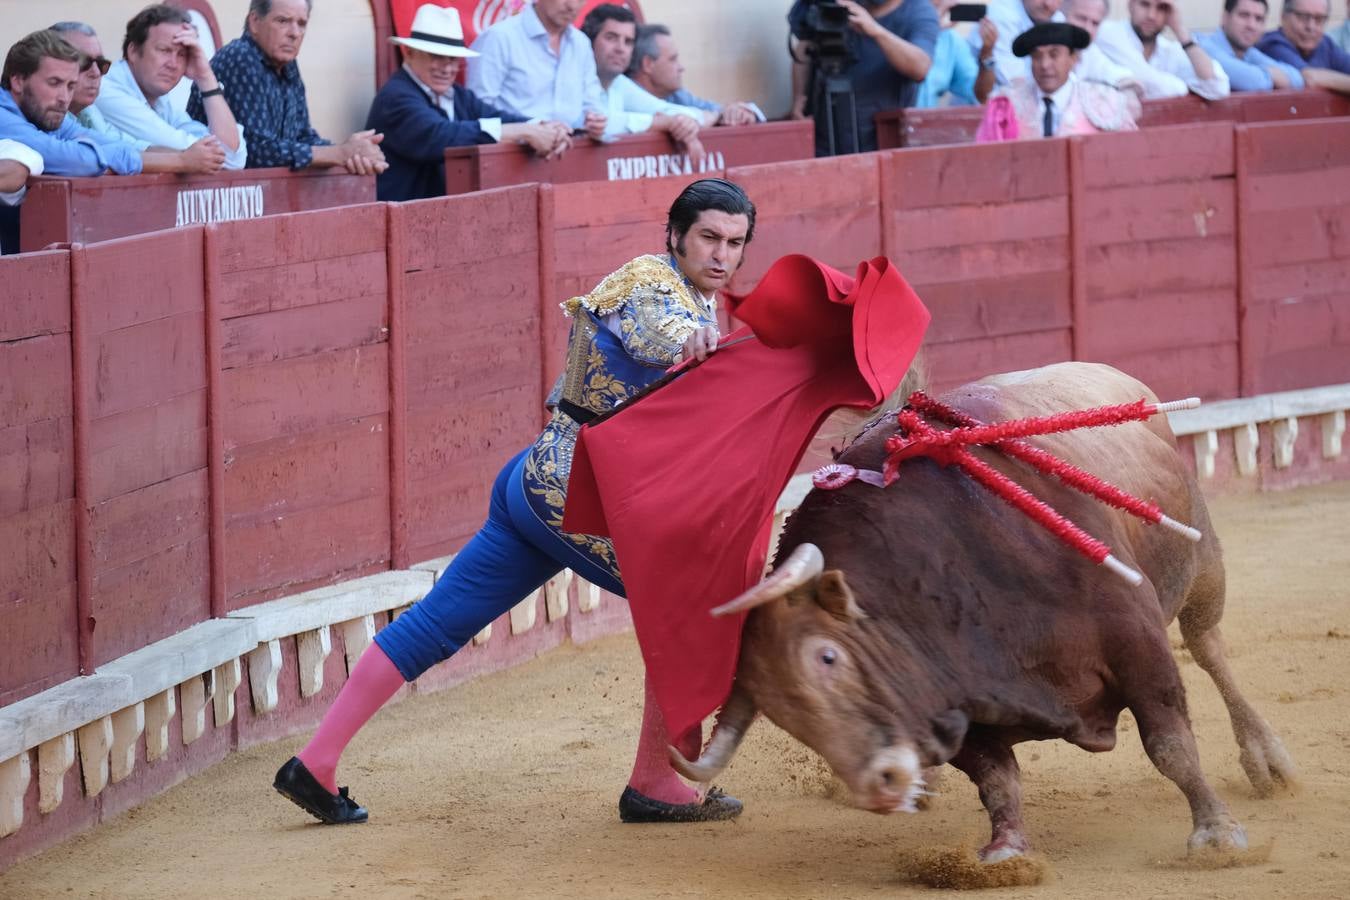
pixel 893 782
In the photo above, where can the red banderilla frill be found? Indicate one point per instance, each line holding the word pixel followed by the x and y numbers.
pixel 949 448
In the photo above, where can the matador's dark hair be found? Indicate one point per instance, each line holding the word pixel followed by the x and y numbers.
pixel 707 193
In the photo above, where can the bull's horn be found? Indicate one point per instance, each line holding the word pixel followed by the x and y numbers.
pixel 732 725
pixel 805 563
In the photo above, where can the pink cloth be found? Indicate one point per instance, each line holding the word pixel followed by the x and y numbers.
pixel 999 122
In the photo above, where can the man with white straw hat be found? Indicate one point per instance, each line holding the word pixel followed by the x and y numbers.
pixel 421 111
pixel 539 64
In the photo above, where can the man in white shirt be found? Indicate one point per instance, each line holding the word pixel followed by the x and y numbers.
pixel 1093 64
pixel 538 65
pixel 1165 66
pixel 17 162
pixel 1012 18
pixel 159 49
pixel 628 108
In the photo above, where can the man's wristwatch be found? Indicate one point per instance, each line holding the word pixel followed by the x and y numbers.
pixel 214 92
pixel 987 63
pixel 1189 44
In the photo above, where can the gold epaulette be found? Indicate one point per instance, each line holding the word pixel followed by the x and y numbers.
pixel 610 294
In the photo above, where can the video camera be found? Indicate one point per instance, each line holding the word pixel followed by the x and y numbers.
pixel 825 25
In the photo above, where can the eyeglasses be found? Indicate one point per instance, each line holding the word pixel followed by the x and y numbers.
pixel 103 64
pixel 1307 18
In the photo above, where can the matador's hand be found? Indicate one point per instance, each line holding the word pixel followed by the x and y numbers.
pixel 700 344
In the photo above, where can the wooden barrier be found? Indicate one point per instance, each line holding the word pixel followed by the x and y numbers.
pixel 983 236
pixel 628 158
pixel 67 210
pixel 1156 250
pixel 1293 183
pixel 957 124
pixel 37 477
pixel 140 402
pixel 303 399
pixel 466 289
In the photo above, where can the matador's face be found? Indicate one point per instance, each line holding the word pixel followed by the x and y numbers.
pixel 710 252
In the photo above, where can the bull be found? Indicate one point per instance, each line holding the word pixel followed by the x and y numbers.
pixel 931 623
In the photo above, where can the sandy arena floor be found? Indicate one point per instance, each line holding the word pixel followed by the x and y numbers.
pixel 507 787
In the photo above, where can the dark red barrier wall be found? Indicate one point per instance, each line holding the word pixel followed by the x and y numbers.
pixel 304 399
pixel 1157 251
pixel 830 208
pixel 466 273
pixel 1294 181
pixel 37 478
pixel 983 236
pixel 140 403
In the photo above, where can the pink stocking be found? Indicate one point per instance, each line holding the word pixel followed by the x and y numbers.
pixel 374 680
pixel 652 774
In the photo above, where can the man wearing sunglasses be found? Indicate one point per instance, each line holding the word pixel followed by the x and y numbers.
pixel 1301 42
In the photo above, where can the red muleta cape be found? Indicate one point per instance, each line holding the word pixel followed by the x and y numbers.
pixel 685 479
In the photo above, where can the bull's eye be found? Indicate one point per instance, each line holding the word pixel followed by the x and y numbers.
pixel 828 656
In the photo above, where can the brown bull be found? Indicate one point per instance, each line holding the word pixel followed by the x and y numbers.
pixel 930 622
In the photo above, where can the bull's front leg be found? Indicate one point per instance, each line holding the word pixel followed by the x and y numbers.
pixel 992 766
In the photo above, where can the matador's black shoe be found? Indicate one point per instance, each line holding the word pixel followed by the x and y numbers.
pixel 636 807
pixel 295 783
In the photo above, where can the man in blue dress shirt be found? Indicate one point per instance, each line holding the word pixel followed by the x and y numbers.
pixel 1301 42
pixel 1234 46
pixel 540 66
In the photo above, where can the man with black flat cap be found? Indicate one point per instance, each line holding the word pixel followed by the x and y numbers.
pixel 1055 102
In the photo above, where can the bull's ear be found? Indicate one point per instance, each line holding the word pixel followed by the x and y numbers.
pixel 949 732
pixel 835 597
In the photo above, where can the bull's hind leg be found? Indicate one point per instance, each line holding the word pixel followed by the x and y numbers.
pixel 1152 689
pixel 1261 752
pixel 991 765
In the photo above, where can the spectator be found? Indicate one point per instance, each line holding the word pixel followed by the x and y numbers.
pixel 1165 66
pixel 888 51
pixel 84 39
pixel 161 47
pixel 1340 35
pixel 1011 18
pixel 656 68
pixel 261 79
pixel 628 108
pixel 421 111
pixel 1300 42
pixel 17 163
pixel 960 75
pixel 1056 101
pixel 1093 64
pixel 1234 46
pixel 40 75
pixel 538 65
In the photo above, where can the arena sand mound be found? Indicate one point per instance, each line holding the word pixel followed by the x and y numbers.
pixel 961 870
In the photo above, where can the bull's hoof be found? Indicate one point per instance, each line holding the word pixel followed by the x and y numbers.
pixel 1223 834
pixel 1006 846
pixel 1268 765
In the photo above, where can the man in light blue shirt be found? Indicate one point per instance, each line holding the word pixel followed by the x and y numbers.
pixel 40 75
pixel 161 48
pixel 656 68
pixel 1234 46
pixel 538 65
